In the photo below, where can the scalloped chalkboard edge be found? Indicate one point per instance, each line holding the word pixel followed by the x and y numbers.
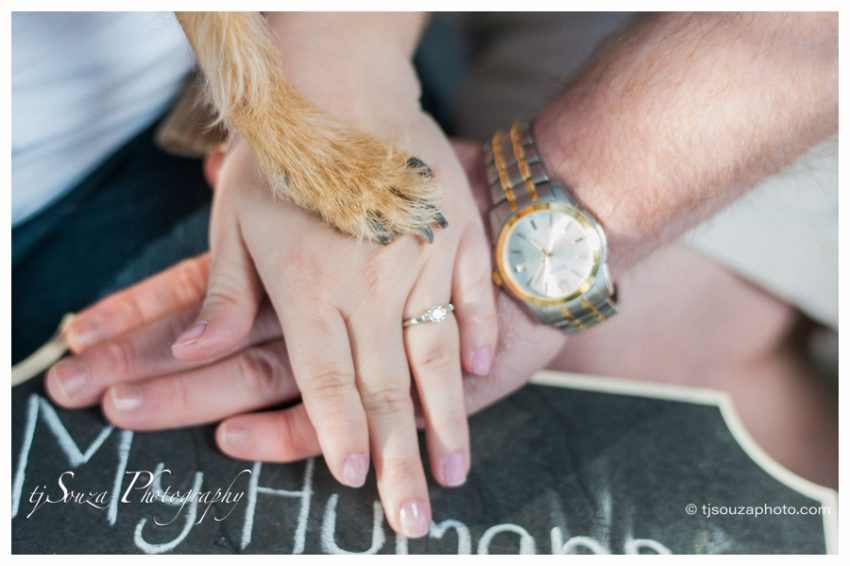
pixel 827 497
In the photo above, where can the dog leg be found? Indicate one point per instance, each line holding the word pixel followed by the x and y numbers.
pixel 355 181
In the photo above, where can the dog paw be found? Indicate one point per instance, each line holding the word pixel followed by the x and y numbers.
pixel 353 180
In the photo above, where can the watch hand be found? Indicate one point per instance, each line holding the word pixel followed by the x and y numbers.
pixel 552 238
pixel 539 271
pixel 538 246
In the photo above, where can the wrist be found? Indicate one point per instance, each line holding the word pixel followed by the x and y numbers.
pixel 361 72
pixel 569 147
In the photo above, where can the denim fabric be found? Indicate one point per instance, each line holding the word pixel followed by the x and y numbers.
pixel 66 256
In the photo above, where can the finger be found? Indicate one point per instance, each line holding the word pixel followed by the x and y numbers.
pixel 433 350
pixel 531 347
pixel 471 156
pixel 539 344
pixel 254 378
pixel 320 355
pixel 80 381
pixel 273 436
pixel 384 383
pixel 232 299
pixel 173 289
pixel 475 303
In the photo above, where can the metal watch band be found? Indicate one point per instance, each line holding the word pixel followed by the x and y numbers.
pixel 515 172
pixel 517 177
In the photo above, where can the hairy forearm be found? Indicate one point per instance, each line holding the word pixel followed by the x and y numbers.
pixel 680 114
pixel 357 66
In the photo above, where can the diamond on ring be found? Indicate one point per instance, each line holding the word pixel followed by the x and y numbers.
pixel 435 314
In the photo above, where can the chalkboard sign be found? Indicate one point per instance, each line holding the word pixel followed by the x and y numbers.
pixel 569 464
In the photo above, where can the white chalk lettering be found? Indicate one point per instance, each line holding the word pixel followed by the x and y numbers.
pixel 526 541
pixel 329 529
pixel 151 548
pixel 634 546
pixel 574 544
pixel 305 495
pixel 464 540
pixel 76 457
pixel 125 440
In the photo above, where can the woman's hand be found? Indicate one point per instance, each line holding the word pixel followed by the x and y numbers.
pixel 123 352
pixel 341 304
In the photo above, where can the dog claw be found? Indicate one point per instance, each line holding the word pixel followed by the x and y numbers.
pixel 427 235
pixel 441 220
pixel 424 169
pixel 380 231
pixel 438 217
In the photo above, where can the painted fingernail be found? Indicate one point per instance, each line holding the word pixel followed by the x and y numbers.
pixel 126 398
pixel 85 332
pixel 234 435
pixel 354 469
pixel 414 519
pixel 481 360
pixel 454 472
pixel 192 334
pixel 70 377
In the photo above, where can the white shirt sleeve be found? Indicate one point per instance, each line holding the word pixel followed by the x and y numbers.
pixel 82 85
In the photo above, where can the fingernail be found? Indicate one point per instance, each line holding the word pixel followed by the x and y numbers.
pixel 70 377
pixel 414 519
pixel 454 472
pixel 85 332
pixel 481 360
pixel 354 469
pixel 126 398
pixel 234 435
pixel 192 334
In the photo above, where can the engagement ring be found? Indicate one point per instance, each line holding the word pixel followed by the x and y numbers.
pixel 434 314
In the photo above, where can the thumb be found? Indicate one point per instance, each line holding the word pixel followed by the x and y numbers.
pixel 232 300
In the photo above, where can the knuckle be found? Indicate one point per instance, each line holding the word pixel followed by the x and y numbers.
pixel 479 278
pixel 227 288
pixel 305 266
pixel 180 394
pixel 259 370
pixel 190 280
pixel 223 292
pixel 120 355
pixel 321 323
pixel 288 437
pixel 455 424
pixel 435 356
pixel 474 321
pixel 129 308
pixel 329 383
pixel 388 401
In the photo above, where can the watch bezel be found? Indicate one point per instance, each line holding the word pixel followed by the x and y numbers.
pixel 582 218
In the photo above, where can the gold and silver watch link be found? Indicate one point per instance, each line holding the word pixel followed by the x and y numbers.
pixel 550 253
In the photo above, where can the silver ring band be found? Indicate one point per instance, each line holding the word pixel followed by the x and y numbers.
pixel 435 314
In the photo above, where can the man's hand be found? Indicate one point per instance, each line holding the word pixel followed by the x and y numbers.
pixel 123 348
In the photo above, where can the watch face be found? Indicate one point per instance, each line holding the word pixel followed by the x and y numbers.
pixel 549 253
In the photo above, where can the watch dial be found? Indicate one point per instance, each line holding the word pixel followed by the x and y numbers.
pixel 549 253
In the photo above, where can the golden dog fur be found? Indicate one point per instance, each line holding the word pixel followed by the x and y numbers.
pixel 355 181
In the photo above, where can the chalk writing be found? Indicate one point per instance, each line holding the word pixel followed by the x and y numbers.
pixel 148 534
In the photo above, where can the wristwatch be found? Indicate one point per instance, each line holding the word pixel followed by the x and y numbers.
pixel 550 252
